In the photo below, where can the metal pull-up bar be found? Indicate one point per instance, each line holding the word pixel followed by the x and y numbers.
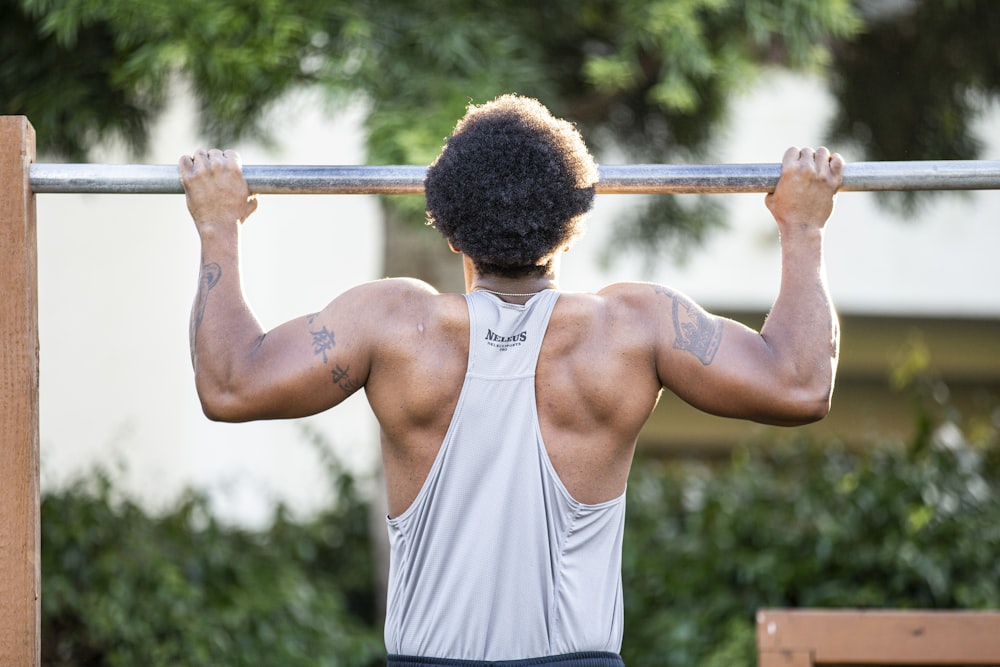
pixel 613 179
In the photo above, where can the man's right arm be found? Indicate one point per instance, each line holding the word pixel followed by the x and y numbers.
pixel 243 372
pixel 783 374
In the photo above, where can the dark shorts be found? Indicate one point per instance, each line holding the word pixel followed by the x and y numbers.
pixel 590 659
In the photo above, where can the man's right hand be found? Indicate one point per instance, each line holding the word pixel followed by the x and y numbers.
pixel 805 192
pixel 217 193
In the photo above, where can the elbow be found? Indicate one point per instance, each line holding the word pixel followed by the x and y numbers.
pixel 797 413
pixel 219 411
pixel 797 397
pixel 222 404
pixel 813 410
pixel 807 404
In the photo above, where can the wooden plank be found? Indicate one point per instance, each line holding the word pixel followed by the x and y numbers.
pixel 785 658
pixel 20 542
pixel 883 637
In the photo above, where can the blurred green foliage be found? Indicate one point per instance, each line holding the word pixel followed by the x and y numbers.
pixel 802 524
pixel 87 71
pixel 913 83
pixel 124 587
pixel 648 78
pixel 809 525
pixel 654 73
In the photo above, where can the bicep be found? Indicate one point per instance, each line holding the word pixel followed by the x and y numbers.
pixel 302 367
pixel 716 364
pixel 316 361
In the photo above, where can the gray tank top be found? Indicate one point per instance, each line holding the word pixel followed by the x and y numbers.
pixel 494 560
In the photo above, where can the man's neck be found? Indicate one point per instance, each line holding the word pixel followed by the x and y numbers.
pixel 519 288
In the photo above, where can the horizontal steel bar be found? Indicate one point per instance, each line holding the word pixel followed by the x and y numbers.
pixel 614 179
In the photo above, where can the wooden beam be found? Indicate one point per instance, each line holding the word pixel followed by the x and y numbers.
pixel 784 658
pixel 882 637
pixel 20 541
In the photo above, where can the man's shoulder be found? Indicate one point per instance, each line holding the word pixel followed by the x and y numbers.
pixel 623 304
pixel 390 292
pixel 405 300
pixel 627 290
pixel 401 286
pixel 628 295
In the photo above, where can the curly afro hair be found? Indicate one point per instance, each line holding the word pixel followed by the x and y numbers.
pixel 511 186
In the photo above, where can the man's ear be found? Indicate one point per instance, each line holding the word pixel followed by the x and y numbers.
pixel 454 249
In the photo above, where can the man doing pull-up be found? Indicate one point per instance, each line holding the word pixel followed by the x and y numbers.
pixel 509 414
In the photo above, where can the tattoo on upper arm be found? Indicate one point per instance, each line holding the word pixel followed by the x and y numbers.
pixel 695 331
pixel 342 379
pixel 209 278
pixel 323 341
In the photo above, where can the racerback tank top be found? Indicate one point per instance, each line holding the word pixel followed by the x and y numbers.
pixel 494 560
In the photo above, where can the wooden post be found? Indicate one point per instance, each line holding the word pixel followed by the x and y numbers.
pixel 20 532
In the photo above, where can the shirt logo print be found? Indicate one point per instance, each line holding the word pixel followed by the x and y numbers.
pixel 494 339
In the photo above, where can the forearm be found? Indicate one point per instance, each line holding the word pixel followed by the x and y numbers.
pixel 223 329
pixel 802 331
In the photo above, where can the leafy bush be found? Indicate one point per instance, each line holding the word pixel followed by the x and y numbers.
pixel 797 525
pixel 122 588
pixel 809 525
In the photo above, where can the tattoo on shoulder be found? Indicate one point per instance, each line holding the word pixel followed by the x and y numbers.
pixel 695 331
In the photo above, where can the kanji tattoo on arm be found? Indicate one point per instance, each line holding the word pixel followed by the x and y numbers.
pixel 342 379
pixel 695 331
pixel 323 341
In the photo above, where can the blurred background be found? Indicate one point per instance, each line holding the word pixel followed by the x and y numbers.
pixel 172 539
